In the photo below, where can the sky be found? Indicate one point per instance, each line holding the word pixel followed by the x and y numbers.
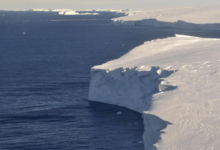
pixel 102 4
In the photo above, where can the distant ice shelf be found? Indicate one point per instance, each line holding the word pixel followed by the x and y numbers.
pixel 195 17
pixel 117 12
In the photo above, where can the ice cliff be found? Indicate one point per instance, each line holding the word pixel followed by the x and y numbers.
pixel 176 88
pixel 130 87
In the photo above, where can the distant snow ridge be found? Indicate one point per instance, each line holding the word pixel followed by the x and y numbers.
pixel 130 87
pixel 178 24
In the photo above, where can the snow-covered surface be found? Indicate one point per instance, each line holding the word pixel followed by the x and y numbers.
pixel 71 13
pixel 195 17
pixel 61 10
pixel 76 13
pixel 175 83
pixel 83 12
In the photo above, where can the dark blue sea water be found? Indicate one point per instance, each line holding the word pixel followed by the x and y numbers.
pixel 44 84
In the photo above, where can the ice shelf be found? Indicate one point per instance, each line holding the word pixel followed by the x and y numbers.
pixel 174 83
pixel 194 17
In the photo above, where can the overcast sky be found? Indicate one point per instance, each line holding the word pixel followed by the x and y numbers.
pixel 114 4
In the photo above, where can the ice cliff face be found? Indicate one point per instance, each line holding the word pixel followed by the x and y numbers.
pixel 130 87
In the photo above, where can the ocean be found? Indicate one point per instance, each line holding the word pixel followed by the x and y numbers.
pixel 45 62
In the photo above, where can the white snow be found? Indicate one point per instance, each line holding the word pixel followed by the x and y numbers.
pixel 89 14
pixel 76 13
pixel 71 13
pixel 175 83
pixel 196 17
pixel 61 13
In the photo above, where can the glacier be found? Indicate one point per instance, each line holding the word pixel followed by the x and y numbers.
pixel 174 83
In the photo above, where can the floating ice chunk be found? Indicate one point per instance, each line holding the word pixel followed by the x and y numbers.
pixel 119 113
pixel 61 13
pixel 159 71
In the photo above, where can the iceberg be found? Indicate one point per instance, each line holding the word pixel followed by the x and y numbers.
pixel 174 83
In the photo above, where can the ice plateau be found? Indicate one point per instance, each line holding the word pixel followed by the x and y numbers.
pixel 174 83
